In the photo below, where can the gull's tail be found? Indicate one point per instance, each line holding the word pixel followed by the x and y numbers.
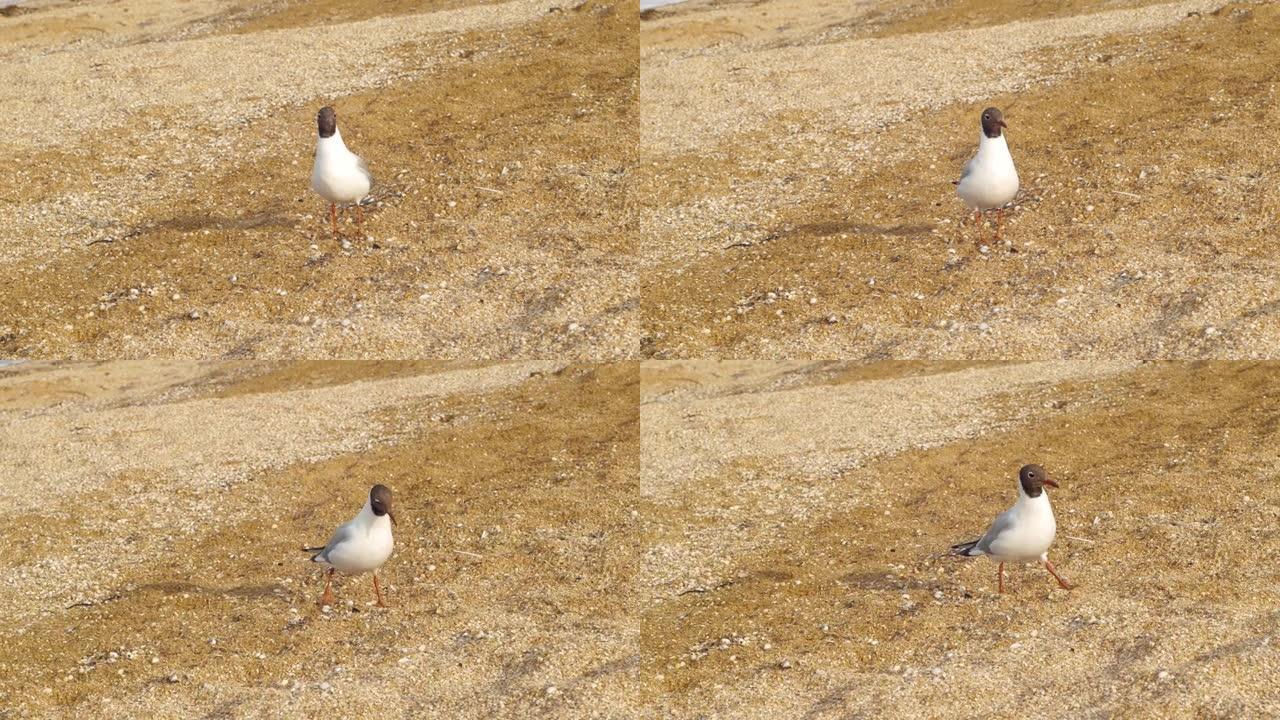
pixel 317 550
pixel 968 549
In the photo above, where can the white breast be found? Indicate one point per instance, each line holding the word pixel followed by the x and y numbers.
pixel 336 174
pixel 367 549
pixel 992 181
pixel 1030 534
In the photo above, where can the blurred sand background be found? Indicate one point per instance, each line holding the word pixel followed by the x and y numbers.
pixel 157 160
pixel 153 515
pixel 797 156
pixel 797 519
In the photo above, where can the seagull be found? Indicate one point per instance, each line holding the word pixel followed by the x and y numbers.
pixel 338 175
pixel 989 180
pixel 1024 532
pixel 361 545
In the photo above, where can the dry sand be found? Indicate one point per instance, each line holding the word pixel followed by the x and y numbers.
pixel 157 160
pixel 783 579
pixel 154 513
pixel 795 198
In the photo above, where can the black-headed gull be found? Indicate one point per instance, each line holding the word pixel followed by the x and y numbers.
pixel 338 175
pixel 361 545
pixel 1024 532
pixel 989 180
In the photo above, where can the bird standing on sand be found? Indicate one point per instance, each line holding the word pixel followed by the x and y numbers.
pixel 361 545
pixel 1024 532
pixel 989 180
pixel 338 175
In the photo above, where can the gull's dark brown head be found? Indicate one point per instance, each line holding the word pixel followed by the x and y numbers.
pixel 380 501
pixel 327 122
pixel 992 122
pixel 1033 479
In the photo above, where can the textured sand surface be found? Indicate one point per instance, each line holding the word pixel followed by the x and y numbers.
pixel 154 514
pixel 797 172
pixel 158 158
pixel 792 581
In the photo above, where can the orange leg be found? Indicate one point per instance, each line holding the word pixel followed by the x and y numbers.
pixel 333 217
pixel 999 222
pixel 378 591
pixel 327 597
pixel 1061 583
pixel 360 218
pixel 1000 572
pixel 977 224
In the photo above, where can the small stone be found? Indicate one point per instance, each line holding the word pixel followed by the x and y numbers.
pixel 173 678
pixel 785 665
pixel 551 690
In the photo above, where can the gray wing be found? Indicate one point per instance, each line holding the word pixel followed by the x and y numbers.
pixel 341 535
pixel 364 168
pixel 1003 522
pixel 968 169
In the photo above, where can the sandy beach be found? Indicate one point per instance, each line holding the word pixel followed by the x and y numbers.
pixel 154 515
pixel 797 520
pixel 157 159
pixel 797 157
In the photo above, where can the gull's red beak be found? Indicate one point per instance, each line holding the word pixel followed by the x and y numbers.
pixel 1003 125
pixel 1050 483
pixel 393 515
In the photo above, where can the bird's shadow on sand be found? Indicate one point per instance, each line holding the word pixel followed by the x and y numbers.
pixel 846 227
pixel 251 221
pixel 175 587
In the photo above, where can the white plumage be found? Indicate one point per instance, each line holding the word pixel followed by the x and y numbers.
pixel 361 545
pixel 989 180
pixel 339 175
pixel 1024 532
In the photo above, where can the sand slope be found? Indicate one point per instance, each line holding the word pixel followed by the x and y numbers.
pixel 154 515
pixel 164 208
pixel 798 174
pixel 800 581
